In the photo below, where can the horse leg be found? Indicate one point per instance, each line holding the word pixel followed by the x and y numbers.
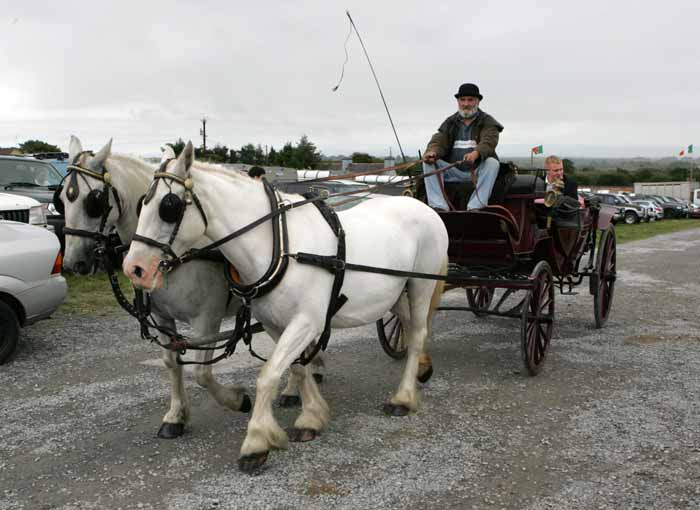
pixel 405 399
pixel 174 420
pixel 264 433
pixel 232 396
pixel 425 363
pixel 318 367
pixel 290 394
pixel 315 414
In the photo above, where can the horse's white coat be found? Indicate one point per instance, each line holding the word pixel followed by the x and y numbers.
pixel 197 295
pixel 393 232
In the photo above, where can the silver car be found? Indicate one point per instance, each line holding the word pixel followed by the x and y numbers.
pixel 31 285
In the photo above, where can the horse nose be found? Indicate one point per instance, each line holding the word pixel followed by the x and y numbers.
pixel 137 271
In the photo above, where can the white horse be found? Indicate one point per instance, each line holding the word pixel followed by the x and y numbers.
pixel 198 295
pixel 392 232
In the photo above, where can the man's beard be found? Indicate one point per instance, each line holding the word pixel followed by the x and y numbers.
pixel 468 113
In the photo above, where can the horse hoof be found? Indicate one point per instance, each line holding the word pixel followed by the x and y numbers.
pixel 246 405
pixel 425 376
pixel 301 435
pixel 171 430
pixel 395 410
pixel 251 463
pixel 289 401
pixel 318 378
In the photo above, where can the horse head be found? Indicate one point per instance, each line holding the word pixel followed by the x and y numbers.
pixel 167 224
pixel 88 207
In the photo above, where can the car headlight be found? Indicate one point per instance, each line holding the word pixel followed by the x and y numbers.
pixel 37 215
pixel 52 209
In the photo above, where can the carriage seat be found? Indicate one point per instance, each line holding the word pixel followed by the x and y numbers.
pixel 526 185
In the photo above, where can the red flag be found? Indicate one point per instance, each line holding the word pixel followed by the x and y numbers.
pixel 681 153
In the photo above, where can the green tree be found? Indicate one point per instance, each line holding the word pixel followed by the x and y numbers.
pixel 272 157
pixel 363 157
pixel 178 146
pixel 307 156
pixel 35 146
pixel 247 154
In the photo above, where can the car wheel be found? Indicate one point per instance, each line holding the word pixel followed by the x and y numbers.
pixel 631 218
pixel 9 331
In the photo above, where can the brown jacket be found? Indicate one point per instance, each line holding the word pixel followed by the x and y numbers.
pixel 485 131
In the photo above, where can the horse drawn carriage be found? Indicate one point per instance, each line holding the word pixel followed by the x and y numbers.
pixel 530 243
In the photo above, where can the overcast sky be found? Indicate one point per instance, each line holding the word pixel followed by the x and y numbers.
pixel 593 77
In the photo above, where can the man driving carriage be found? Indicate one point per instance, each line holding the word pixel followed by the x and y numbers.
pixel 470 135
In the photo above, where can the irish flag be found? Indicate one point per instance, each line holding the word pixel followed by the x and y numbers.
pixel 537 149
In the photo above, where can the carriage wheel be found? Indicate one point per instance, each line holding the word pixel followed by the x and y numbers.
pixel 480 299
pixel 390 333
pixel 537 318
pixel 606 268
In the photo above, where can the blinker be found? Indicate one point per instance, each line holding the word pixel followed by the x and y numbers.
pixel 95 203
pixel 171 208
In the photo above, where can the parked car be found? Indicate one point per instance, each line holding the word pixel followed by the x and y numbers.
pixel 693 210
pixel 59 160
pixel 31 285
pixel 22 209
pixel 631 213
pixel 671 208
pixel 655 211
pixel 612 210
pixel 27 176
pixel 678 202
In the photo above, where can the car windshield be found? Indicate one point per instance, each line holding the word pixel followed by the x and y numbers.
pixel 624 199
pixel 26 172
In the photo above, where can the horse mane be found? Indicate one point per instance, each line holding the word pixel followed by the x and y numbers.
pixel 236 174
pixel 131 167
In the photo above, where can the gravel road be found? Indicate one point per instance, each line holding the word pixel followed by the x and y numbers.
pixel 612 422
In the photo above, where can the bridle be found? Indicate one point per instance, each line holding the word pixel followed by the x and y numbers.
pixel 171 209
pixel 96 203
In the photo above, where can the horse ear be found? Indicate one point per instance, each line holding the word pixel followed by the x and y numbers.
pixel 185 160
pixel 74 148
pixel 168 153
pixel 189 154
pixel 99 160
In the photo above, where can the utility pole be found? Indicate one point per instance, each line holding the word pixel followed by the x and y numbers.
pixel 203 133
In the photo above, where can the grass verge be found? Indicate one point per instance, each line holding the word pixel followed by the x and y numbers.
pixel 626 233
pixel 93 294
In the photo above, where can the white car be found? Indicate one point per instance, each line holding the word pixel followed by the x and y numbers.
pixel 31 285
pixel 22 209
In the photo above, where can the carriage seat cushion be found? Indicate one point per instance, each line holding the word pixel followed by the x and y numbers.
pixel 526 185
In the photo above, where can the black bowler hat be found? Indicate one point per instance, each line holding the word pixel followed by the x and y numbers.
pixel 468 89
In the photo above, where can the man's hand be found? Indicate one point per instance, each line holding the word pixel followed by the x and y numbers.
pixel 429 157
pixel 471 157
